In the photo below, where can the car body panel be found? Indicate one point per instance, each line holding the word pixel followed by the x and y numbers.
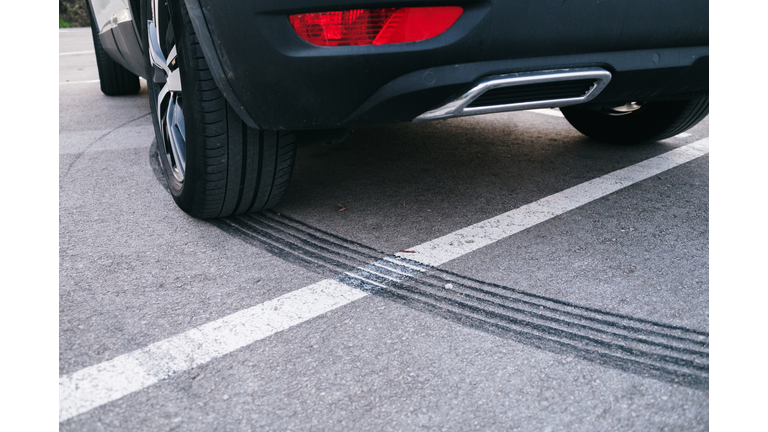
pixel 284 82
pixel 274 80
pixel 106 11
pixel 119 33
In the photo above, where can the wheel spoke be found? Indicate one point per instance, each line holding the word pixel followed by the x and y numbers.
pixel 171 57
pixel 180 124
pixel 174 81
pixel 176 139
pixel 167 79
pixel 155 53
pixel 161 95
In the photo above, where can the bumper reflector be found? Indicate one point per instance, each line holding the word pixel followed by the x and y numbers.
pixel 374 26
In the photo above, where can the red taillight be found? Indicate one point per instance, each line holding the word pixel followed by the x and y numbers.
pixel 374 26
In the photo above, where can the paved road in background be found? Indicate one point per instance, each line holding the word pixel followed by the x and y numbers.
pixel 595 318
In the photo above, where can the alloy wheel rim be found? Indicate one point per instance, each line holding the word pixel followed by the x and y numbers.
pixel 167 81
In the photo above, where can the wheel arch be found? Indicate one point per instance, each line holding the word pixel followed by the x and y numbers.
pixel 217 64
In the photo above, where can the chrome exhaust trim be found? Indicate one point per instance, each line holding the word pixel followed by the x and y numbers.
pixel 460 107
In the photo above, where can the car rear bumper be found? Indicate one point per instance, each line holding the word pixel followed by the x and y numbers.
pixel 653 50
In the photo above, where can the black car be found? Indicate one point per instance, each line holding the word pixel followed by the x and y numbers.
pixel 235 86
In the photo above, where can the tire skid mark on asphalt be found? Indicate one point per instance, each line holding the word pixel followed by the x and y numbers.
pixel 665 352
pixel 285 231
pixel 291 226
pixel 402 278
pixel 88 147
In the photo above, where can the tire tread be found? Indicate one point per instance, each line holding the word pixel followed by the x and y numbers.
pixel 231 168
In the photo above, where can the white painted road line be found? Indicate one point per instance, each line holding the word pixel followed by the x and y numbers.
pixel 96 385
pixel 469 239
pixel 76 53
pixel 93 81
pixel 548 111
pixel 79 82
pixel 557 113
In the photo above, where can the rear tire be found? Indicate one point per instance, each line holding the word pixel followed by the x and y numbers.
pixel 115 79
pixel 215 165
pixel 652 121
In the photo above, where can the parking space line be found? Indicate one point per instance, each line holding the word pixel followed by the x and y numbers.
pixel 469 239
pixel 548 111
pixel 557 113
pixel 96 385
pixel 79 82
pixel 141 80
pixel 76 53
pixel 99 384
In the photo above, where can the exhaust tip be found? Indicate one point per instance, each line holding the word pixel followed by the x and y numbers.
pixel 523 91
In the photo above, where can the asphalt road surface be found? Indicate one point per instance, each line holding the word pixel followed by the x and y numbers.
pixel 383 293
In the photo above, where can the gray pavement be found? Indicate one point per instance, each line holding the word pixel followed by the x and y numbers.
pixel 135 270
